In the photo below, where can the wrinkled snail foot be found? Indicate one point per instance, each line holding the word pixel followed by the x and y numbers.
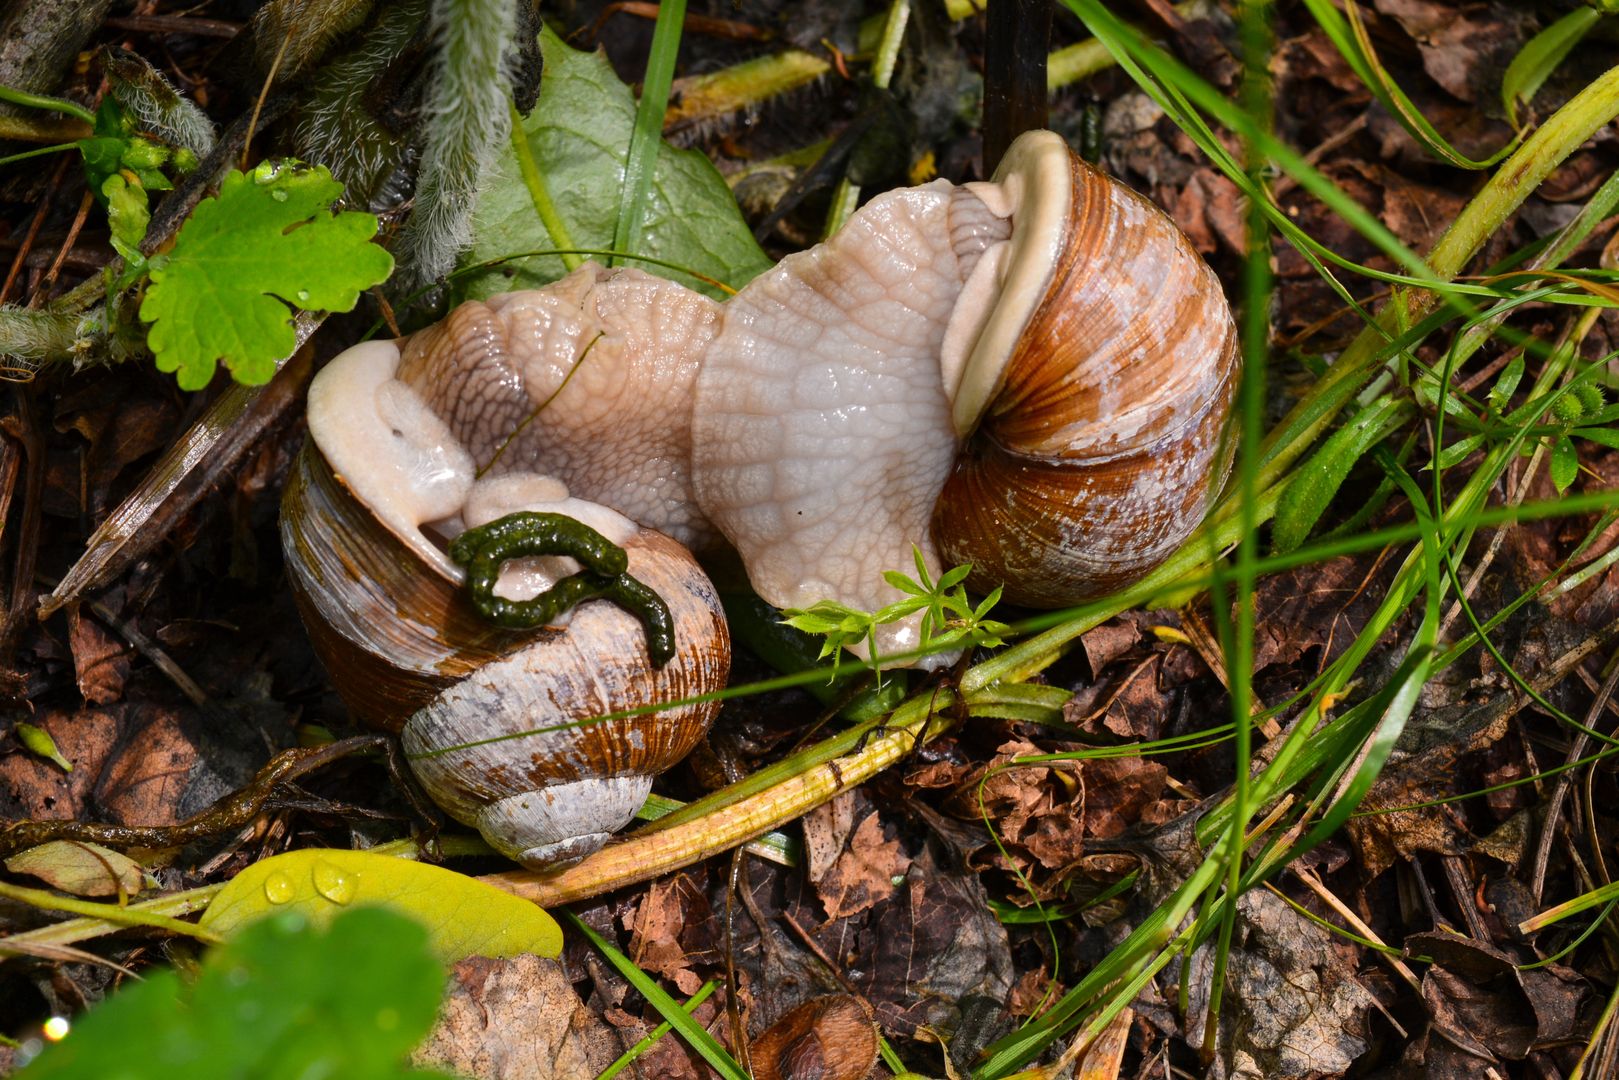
pixel 484 549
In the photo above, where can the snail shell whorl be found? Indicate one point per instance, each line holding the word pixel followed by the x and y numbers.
pixel 1099 451
pixel 535 798
pixel 408 653
pixel 390 629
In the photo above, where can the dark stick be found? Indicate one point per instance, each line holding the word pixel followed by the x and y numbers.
pixel 1015 95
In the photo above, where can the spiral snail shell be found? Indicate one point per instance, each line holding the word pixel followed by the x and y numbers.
pixel 1030 374
pixel 490 718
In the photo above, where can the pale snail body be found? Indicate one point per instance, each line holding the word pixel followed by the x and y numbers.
pixel 1031 375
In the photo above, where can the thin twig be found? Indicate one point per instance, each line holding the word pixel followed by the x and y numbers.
pixel 1554 805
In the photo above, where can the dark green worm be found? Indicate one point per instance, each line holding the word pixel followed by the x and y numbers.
pixel 483 550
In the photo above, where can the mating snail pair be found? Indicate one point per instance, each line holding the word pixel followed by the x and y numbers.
pixel 1030 374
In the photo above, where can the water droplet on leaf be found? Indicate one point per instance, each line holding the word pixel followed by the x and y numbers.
pixel 303 296
pixel 279 194
pixel 278 888
pixel 335 883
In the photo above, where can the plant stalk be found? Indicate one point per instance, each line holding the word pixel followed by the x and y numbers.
pixel 696 835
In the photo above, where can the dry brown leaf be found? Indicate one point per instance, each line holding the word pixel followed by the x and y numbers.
pixel 826 830
pixel 517 1019
pixel 863 876
pixel 671 910
pixel 1293 1007
pixel 1464 49
pixel 828 1038
pixel 100 661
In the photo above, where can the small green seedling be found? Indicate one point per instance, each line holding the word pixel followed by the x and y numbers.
pixel 949 619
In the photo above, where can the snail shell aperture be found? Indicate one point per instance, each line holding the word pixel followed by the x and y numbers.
pixel 1031 374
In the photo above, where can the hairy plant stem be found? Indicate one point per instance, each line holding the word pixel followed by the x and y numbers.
pixel 465 119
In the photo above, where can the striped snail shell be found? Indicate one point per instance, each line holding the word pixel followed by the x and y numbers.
pixel 383 481
pixel 1094 443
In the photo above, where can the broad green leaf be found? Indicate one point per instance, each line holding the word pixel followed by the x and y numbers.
pixel 266 242
pixel 1540 56
pixel 281 1000
pixel 464 917
pixel 579 134
pixel 80 868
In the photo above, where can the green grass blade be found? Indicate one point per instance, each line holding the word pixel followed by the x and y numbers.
pixel 1315 483
pixel 641 163
pixel 539 194
pixel 1540 56
pixel 694 1034
pixel 652 1037
pixel 1352 41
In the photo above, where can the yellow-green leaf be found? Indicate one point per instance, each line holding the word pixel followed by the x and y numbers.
pixel 80 868
pixel 39 741
pixel 464 917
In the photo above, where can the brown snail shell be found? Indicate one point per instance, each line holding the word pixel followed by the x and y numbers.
pixel 1102 442
pixel 409 654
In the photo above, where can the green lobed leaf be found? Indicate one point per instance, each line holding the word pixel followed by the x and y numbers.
pixel 283 999
pixel 579 134
pixel 265 243
pixel 463 916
